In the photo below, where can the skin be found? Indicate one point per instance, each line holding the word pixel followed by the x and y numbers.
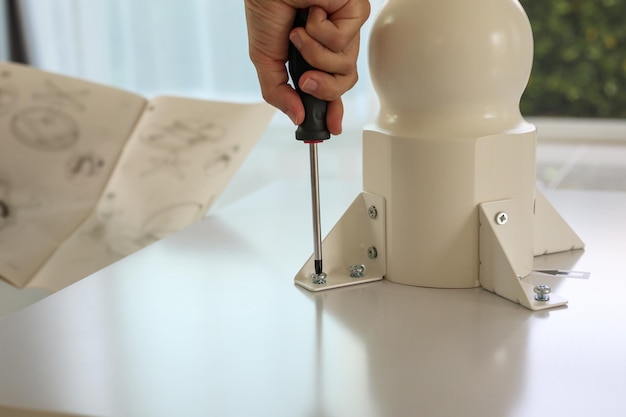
pixel 329 42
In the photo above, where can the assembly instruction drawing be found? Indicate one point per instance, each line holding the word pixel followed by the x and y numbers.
pixel 8 97
pixel 44 129
pixel 5 202
pixel 101 172
pixel 84 165
pixel 58 97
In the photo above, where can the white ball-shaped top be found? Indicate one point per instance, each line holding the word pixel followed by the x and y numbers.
pixel 450 67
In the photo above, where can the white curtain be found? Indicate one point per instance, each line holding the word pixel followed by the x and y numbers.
pixel 4 29
pixel 195 48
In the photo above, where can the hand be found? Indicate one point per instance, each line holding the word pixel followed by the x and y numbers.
pixel 329 42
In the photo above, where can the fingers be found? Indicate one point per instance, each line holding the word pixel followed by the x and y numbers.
pixel 276 91
pixel 336 30
pixel 285 98
pixel 329 42
pixel 334 116
pixel 323 58
pixel 269 24
pixel 336 72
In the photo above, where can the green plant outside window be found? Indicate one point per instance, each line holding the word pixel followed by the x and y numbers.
pixel 579 66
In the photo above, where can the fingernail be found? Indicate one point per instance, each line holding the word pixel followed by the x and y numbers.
pixel 295 39
pixel 309 86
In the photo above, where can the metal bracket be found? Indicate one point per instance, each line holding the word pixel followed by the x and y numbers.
pixel 552 234
pixel 506 261
pixel 354 251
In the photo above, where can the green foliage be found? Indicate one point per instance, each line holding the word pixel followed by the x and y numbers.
pixel 580 58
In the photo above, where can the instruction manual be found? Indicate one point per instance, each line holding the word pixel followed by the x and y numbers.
pixel 89 174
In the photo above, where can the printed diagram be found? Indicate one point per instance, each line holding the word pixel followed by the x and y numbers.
pixel 176 138
pixel 8 97
pixel 84 165
pixel 44 129
pixel 57 97
pixel 182 134
pixel 220 161
pixel 5 208
pixel 4 213
pixel 121 238
pixel 171 165
pixel 11 202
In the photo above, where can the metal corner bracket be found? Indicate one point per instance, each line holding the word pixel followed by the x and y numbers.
pixel 506 261
pixel 354 250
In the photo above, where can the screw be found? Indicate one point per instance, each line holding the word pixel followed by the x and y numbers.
pixel 357 271
pixel 372 252
pixel 502 218
pixel 542 292
pixel 319 279
pixel 372 212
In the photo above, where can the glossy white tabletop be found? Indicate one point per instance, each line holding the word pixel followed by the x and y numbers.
pixel 208 322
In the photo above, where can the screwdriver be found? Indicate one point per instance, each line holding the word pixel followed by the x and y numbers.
pixel 312 131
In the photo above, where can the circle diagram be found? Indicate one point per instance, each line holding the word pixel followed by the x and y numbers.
pixel 44 129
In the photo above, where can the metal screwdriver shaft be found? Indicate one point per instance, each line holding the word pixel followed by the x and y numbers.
pixel 313 130
pixel 315 201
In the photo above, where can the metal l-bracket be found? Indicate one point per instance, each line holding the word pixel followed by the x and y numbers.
pixel 354 251
pixel 506 261
pixel 552 234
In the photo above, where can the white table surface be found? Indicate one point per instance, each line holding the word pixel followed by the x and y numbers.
pixel 208 322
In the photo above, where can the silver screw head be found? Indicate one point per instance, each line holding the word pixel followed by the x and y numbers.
pixel 542 292
pixel 372 252
pixel 319 279
pixel 372 212
pixel 357 271
pixel 502 218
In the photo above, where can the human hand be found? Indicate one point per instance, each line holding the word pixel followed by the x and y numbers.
pixel 329 42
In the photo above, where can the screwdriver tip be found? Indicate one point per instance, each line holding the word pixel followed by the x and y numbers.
pixel 318 266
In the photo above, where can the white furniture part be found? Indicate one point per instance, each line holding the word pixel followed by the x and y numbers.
pixel 450 157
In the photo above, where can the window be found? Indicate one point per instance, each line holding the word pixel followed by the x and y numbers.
pixel 195 48
pixel 4 28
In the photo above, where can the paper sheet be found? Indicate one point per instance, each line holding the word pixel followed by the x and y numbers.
pixel 59 141
pixel 179 157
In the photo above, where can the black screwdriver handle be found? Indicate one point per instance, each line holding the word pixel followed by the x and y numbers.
pixel 313 128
